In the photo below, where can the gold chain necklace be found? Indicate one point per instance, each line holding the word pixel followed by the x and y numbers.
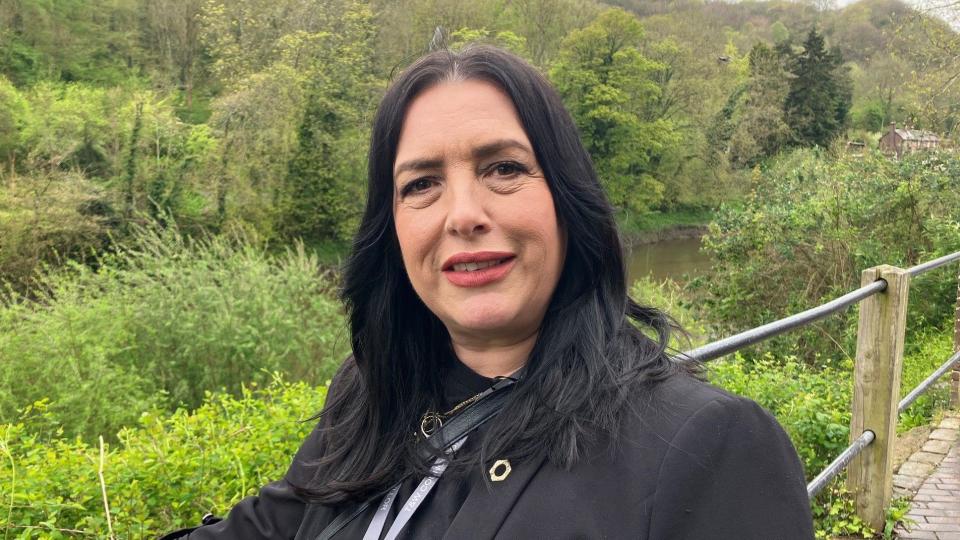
pixel 431 421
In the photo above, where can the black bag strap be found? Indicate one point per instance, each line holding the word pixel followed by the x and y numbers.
pixel 487 405
pixel 207 519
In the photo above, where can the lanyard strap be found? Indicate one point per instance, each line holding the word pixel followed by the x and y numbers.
pixel 413 502
pixel 456 428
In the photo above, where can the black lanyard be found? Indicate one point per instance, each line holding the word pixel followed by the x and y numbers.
pixel 456 429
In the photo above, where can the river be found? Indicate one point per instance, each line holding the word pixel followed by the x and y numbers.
pixel 667 259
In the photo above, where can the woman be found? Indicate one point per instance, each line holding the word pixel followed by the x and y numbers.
pixel 488 254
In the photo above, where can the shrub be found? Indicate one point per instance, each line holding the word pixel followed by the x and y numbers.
pixel 812 405
pixel 165 319
pixel 812 223
pixel 931 351
pixel 162 475
pixel 673 299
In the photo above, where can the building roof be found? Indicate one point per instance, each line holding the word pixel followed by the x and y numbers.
pixel 918 135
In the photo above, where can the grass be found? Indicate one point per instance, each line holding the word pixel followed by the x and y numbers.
pixel 655 221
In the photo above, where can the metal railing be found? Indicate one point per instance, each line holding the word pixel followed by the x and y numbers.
pixel 725 346
pixel 739 341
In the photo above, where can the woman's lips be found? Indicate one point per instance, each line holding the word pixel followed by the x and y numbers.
pixel 461 277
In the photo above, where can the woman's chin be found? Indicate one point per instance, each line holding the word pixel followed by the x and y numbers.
pixel 490 325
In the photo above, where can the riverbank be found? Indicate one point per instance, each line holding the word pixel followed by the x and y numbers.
pixel 659 226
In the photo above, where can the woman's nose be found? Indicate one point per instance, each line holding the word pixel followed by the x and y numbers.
pixel 466 212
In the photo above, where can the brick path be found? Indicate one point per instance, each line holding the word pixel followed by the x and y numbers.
pixel 936 505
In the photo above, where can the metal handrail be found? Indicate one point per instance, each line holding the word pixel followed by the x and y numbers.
pixel 928 382
pixel 837 465
pixel 833 469
pixel 723 347
pixel 734 343
pixel 930 265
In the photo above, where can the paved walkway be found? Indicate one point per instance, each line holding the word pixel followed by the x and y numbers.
pixel 936 505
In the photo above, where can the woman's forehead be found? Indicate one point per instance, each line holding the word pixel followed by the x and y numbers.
pixel 458 117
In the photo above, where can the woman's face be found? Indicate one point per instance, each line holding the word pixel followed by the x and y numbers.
pixel 474 215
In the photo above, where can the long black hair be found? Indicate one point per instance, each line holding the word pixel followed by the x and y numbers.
pixel 594 347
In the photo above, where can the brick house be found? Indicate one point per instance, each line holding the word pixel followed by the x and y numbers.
pixel 904 141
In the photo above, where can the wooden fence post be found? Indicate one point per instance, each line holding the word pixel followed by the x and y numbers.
pixel 955 376
pixel 876 390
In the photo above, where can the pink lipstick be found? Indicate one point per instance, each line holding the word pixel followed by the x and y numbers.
pixel 479 268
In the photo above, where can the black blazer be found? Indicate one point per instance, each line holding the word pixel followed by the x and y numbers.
pixel 693 462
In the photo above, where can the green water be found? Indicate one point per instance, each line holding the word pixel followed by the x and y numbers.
pixel 667 259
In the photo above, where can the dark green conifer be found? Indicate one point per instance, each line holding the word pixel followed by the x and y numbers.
pixel 820 95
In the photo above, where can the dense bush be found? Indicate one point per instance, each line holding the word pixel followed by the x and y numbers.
pixel 164 320
pixel 932 350
pixel 161 475
pixel 812 223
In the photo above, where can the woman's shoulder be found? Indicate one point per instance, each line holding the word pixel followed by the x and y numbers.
pixel 682 407
pixel 722 459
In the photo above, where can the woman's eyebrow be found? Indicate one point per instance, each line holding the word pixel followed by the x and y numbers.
pixel 480 152
pixel 495 147
pixel 418 165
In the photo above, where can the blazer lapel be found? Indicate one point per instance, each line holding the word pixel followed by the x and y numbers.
pixel 489 503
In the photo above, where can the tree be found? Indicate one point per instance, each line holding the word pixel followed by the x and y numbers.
pixel 820 95
pixel 13 117
pixel 324 181
pixel 934 50
pixel 405 27
pixel 879 91
pixel 544 23
pixel 779 32
pixel 171 31
pixel 68 40
pixel 609 87
pixel 758 126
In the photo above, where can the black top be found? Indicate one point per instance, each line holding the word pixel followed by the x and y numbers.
pixel 444 501
pixel 692 462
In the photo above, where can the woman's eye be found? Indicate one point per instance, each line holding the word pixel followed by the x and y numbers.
pixel 417 186
pixel 508 168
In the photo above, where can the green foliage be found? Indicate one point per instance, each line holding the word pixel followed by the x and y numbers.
pixel 820 96
pixel 169 314
pixel 835 516
pixel 46 218
pixel 14 112
pixel 503 39
pixel 607 83
pixel 672 298
pixel 897 515
pixel 757 129
pixel 930 351
pixel 632 225
pixel 542 25
pixel 812 223
pixel 162 474
pixel 813 405
pixel 68 40
pixel 325 177
pixel 780 32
